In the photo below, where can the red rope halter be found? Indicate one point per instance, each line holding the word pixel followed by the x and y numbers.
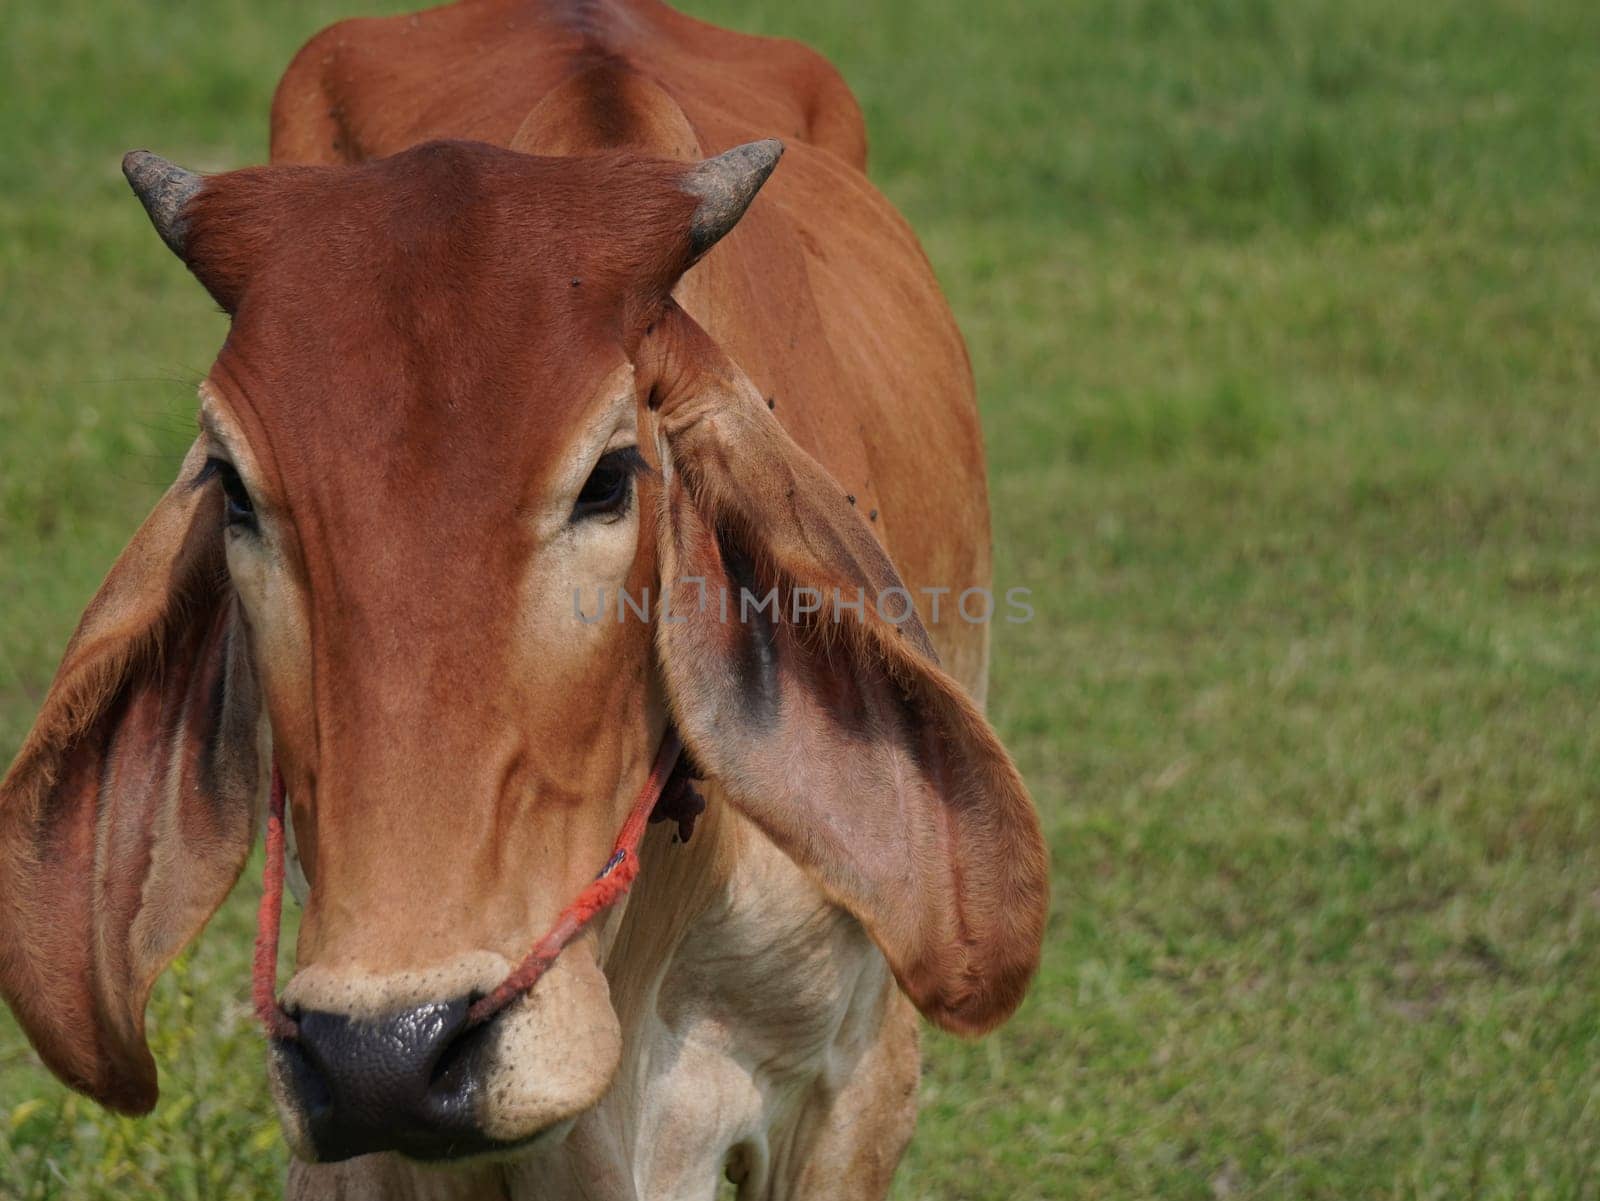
pixel 677 802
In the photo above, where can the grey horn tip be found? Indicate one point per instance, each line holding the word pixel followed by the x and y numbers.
pixel 725 186
pixel 164 189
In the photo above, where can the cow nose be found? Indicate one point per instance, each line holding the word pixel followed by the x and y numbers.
pixel 407 1082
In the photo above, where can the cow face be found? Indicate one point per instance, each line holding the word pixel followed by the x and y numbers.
pixel 426 427
pixel 455 396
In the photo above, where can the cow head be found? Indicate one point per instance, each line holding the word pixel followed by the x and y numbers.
pixel 455 393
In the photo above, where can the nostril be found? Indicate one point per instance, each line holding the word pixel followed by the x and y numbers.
pixel 455 1067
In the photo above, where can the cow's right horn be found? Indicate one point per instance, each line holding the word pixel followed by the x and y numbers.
pixel 164 189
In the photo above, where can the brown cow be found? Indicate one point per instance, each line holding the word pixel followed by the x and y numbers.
pixel 467 381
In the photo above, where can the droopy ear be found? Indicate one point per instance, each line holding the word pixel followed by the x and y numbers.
pixel 128 813
pixel 840 737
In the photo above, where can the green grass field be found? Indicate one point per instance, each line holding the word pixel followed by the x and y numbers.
pixel 1286 320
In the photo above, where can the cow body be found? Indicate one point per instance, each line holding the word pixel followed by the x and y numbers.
pixel 763 1034
pixel 505 318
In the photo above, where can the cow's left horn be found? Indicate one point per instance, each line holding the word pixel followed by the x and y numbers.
pixel 725 186
pixel 164 189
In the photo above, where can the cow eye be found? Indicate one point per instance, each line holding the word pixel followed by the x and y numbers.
pixel 237 509
pixel 609 485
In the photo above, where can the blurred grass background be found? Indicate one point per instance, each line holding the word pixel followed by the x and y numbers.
pixel 1286 321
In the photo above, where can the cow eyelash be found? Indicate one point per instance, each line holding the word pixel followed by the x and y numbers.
pixel 609 488
pixel 238 509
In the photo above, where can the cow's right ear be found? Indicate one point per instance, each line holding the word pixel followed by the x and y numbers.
pixel 838 735
pixel 128 813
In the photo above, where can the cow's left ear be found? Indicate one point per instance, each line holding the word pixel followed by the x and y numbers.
pixel 839 735
pixel 128 813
